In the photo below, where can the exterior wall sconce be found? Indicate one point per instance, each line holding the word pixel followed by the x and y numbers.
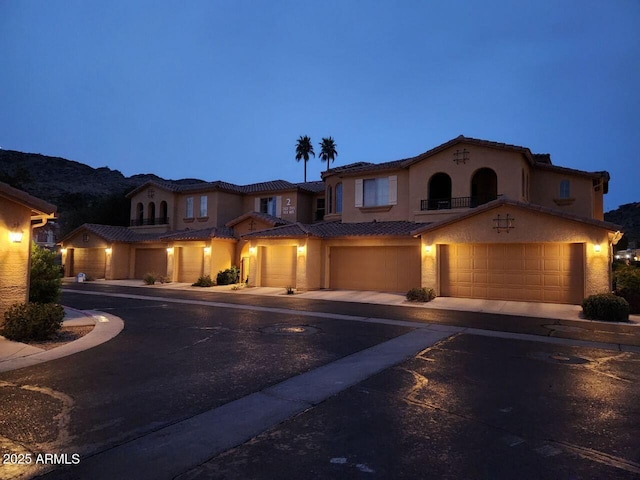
pixel 108 250
pixel 597 248
pixel 15 236
pixel 207 250
pixel 253 250
pixel 63 251
pixel 301 248
pixel 427 248
pixel 170 250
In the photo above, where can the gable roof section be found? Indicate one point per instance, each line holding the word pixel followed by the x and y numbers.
pixel 23 198
pixel 526 206
pixel 263 217
pixel 201 234
pixel 112 233
pixel 328 230
pixel 314 187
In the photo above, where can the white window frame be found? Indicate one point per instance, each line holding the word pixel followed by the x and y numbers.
pixel 565 189
pixel 386 191
pixel 203 206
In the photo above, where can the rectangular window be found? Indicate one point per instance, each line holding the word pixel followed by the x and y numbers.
pixel 203 206
pixel 339 198
pixel 268 206
pixel 565 191
pixel 375 192
pixel 189 208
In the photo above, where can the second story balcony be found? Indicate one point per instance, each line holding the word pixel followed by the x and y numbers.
pixel 455 202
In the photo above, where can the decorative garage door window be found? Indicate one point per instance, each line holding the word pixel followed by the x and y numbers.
pixel 503 224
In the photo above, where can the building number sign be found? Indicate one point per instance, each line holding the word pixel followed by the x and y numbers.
pixel 288 208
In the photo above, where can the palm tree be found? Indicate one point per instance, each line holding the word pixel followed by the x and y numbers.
pixel 303 149
pixel 328 150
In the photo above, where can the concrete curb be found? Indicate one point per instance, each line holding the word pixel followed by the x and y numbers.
pixel 106 327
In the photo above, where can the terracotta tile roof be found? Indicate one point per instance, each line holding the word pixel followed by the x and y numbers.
pixel 265 217
pixel 314 187
pixel 29 201
pixel 201 234
pixel 339 230
pixel 506 201
pixel 113 233
pixel 271 186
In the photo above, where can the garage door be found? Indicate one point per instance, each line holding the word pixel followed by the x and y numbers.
pixel 382 269
pixel 545 272
pixel 150 260
pixel 190 261
pixel 90 261
pixel 278 267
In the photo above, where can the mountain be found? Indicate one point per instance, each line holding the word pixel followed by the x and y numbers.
pixel 81 193
pixel 628 217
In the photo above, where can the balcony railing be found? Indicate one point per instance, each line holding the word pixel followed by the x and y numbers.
pixel 455 202
pixel 136 222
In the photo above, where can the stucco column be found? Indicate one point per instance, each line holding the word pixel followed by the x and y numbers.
pixel 171 271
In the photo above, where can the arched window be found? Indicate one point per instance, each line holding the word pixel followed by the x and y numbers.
pixel 140 214
pixel 339 198
pixel 329 199
pixel 163 213
pixel 439 192
pixel 484 187
pixel 151 212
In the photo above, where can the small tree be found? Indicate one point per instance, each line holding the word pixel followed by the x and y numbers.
pixel 45 276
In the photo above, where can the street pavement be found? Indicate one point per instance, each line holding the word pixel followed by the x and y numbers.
pixel 205 384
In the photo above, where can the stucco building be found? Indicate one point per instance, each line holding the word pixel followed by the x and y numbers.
pixel 470 218
pixel 20 213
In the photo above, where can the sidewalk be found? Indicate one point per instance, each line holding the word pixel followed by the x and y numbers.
pixel 14 355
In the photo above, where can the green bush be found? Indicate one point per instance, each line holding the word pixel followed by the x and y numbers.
pixel 149 279
pixel 228 276
pixel 606 306
pixel 46 277
pixel 421 294
pixel 203 281
pixel 32 321
pixel 627 280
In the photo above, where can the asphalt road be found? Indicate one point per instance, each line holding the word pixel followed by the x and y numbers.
pixel 468 407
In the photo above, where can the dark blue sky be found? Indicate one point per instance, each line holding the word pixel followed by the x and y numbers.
pixel 222 89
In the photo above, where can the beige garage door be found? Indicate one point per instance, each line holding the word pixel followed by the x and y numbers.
pixel 278 268
pixel 541 272
pixel 190 261
pixel 150 260
pixel 90 261
pixel 382 269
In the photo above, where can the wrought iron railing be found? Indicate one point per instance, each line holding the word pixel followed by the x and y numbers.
pixel 455 202
pixel 136 222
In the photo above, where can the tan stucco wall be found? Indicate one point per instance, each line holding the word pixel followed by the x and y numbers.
pixel 118 262
pixel 222 256
pixel 14 257
pixel 309 266
pixel 250 225
pixel 545 188
pixel 530 227
pixel 159 195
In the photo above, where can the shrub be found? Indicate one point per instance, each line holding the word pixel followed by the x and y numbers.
pixel 203 281
pixel 290 290
pixel 627 281
pixel 606 306
pixel 44 286
pixel 228 276
pixel 421 294
pixel 149 279
pixel 32 321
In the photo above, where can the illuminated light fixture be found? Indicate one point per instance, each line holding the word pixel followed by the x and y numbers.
pixel 427 248
pixel 170 250
pixel 15 236
pixel 617 257
pixel 207 250
pixel 108 250
pixel 301 248
pixel 63 251
pixel 597 248
pixel 253 250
